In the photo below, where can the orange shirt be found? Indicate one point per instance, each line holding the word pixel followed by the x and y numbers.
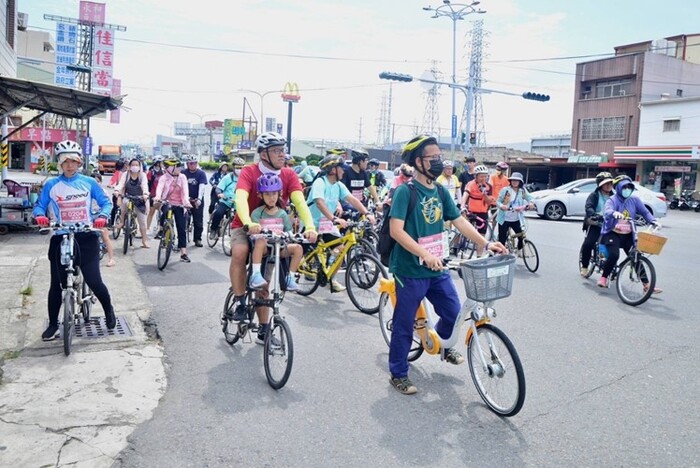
pixel 477 200
pixel 498 183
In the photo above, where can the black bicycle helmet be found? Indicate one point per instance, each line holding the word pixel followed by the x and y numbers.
pixel 373 162
pixel 358 155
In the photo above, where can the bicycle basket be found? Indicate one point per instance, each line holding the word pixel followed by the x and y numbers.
pixel 650 243
pixel 488 279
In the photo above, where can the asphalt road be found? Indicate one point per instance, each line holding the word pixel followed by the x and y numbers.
pixel 607 384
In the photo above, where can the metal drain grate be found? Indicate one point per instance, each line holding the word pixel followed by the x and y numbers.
pixel 96 328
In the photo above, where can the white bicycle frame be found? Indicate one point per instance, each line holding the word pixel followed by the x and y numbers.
pixel 475 312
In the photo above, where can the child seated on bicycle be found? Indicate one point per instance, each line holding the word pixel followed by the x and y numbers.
pixel 272 217
pixel 621 210
pixel 512 201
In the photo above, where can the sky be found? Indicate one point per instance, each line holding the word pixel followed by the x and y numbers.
pixel 183 61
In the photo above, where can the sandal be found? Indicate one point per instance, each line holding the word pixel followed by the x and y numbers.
pixel 111 262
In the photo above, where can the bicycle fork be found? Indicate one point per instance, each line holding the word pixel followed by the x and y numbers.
pixel 493 366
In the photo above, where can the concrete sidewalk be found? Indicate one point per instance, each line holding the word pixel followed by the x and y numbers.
pixel 57 410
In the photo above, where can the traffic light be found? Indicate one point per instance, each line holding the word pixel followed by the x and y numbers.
pixel 395 76
pixel 463 138
pixel 472 138
pixel 536 96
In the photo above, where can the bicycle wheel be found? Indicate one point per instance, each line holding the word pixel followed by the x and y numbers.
pixel 362 246
pixel 165 247
pixel 68 318
pixel 372 237
pixel 307 275
pixel 228 327
pixel 631 278
pixel 361 278
pixel 116 231
pixel 591 263
pixel 127 233
pixel 386 323
pixel 225 230
pixel 211 242
pixel 278 353
pixel 87 301
pixel 502 383
pixel 530 256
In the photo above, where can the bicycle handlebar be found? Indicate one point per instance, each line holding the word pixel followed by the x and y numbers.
pixel 77 227
pixel 284 237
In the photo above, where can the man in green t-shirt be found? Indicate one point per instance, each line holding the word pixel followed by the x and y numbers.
pixel 416 260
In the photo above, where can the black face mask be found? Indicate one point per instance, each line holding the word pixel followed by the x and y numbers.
pixel 436 168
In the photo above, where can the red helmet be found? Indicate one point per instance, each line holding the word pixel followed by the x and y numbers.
pixel 502 165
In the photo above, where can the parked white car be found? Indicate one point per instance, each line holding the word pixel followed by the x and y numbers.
pixel 570 200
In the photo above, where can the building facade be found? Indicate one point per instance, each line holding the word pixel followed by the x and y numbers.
pixel 608 93
pixel 557 146
pixel 667 156
pixel 8 38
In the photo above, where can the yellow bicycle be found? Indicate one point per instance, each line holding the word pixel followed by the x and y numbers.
pixel 362 272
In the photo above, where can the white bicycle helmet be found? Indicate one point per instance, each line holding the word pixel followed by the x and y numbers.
pixel 191 158
pixel 481 169
pixel 269 139
pixel 68 149
pixel 238 163
pixel 447 163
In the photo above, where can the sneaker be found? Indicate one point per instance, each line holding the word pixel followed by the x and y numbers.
pixel 291 283
pixel 239 314
pixel 159 234
pixel 198 243
pixel 603 282
pixel 337 287
pixel 262 334
pixel 110 319
pixel 403 385
pixel 260 339
pixel 50 333
pixel 584 271
pixel 213 235
pixel 453 357
pixel 257 281
pixel 185 258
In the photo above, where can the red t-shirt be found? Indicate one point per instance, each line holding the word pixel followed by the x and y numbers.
pixel 248 181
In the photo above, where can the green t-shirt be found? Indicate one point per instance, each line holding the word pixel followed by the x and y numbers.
pixel 267 220
pixel 426 220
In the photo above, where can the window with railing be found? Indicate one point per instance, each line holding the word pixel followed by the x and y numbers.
pixel 605 128
pixel 613 88
pixel 672 125
pixel 10 23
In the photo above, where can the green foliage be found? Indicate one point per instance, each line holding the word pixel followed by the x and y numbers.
pixel 209 165
pixel 313 159
pixel 27 291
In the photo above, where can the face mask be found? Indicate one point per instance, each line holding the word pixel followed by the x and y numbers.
pixel 435 168
pixel 134 169
pixel 626 193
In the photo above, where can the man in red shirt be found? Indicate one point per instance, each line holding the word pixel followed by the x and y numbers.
pixel 271 150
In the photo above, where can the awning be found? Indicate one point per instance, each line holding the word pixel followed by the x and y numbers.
pixel 16 94
pixel 659 153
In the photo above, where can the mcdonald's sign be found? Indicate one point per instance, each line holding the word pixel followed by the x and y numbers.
pixel 290 93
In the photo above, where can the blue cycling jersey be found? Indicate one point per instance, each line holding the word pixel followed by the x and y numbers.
pixel 70 199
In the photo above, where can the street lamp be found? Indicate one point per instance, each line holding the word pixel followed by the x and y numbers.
pixel 262 102
pixel 456 12
pixel 196 137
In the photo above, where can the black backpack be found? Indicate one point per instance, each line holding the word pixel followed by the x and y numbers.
pixel 386 242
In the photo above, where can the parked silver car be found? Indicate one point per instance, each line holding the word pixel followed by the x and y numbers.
pixel 570 200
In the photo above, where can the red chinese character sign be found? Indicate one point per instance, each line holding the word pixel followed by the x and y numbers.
pixel 102 60
pixel 92 12
pixel 115 115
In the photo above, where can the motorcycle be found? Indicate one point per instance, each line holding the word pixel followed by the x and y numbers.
pixel 684 202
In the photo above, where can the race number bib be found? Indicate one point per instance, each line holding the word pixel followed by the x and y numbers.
pixel 437 244
pixel 623 227
pixel 73 211
pixel 357 188
pixel 276 225
pixel 326 226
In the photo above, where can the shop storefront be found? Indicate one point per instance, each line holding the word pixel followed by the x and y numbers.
pixel 669 169
pixel 27 145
